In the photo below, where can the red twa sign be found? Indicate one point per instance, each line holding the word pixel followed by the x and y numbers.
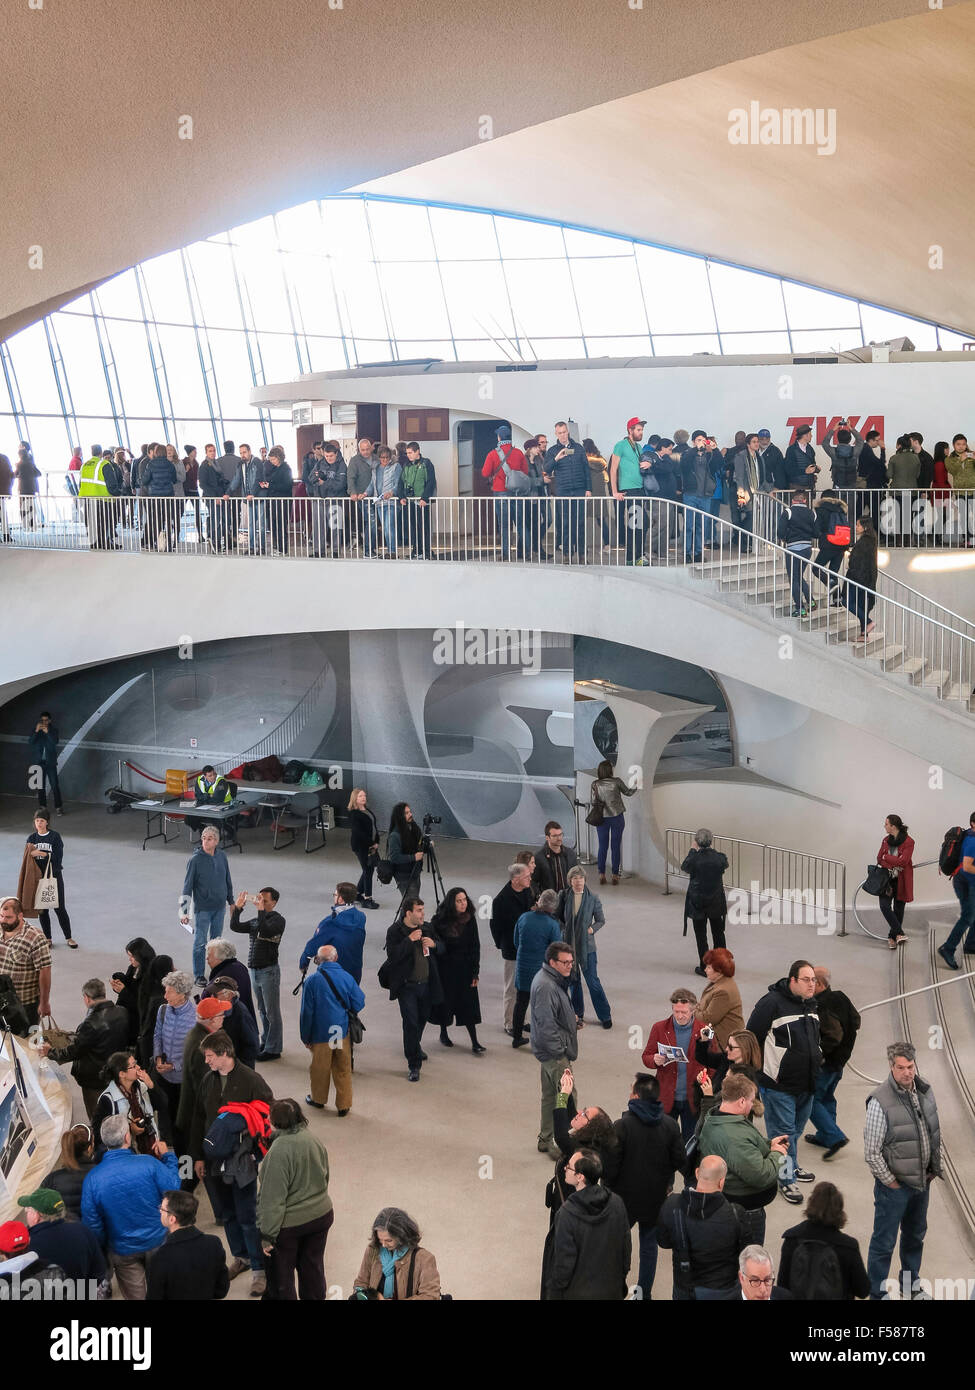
pixel 823 428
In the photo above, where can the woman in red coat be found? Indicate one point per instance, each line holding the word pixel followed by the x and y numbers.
pixel 896 853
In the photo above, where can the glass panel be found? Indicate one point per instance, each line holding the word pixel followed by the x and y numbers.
pixel 619 347
pixel 214 275
pixel 326 354
pixel 743 299
pixel 197 432
pixel 261 272
pixel 279 356
pixel 259 235
pixel 425 347
pixel 119 297
pixel 301 229
pixel 166 288
pixel 523 238
pixel 35 371
pixel 755 342
pixel 609 295
pixel 480 350
pixel 685 345
pixel 415 301
pixel 130 349
pixel 52 450
pixel 826 340
pixel 676 291
pixel 94 429
pixel 545 349
pixel 184 372
pixel 954 342
pixel 363 350
pixel 358 293
pixel 400 232
pixel 311 281
pixel 233 371
pixel 541 293
pixel 881 324
pixel 477 300
pixel 809 308
pixel 463 236
pixel 592 244
pixel 82 360
pixel 346 233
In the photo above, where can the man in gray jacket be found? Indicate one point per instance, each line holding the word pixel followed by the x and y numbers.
pixel 359 477
pixel 554 1039
pixel 902 1147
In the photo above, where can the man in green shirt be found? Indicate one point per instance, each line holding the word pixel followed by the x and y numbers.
pixel 417 488
pixel 960 465
pixel 626 480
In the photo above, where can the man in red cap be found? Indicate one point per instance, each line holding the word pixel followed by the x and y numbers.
pixel 626 480
pixel 209 1017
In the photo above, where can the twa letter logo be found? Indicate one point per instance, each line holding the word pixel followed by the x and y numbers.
pixel 823 426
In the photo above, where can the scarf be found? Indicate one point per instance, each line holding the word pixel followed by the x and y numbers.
pixel 388 1258
pixel 649 1111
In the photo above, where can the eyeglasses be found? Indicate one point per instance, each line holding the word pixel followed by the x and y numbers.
pixel 759 1283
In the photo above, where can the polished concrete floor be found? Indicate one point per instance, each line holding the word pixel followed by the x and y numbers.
pixel 458 1149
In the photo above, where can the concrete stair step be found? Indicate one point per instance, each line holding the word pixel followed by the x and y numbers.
pixel 961 693
pixel 913 668
pixel 873 646
pixel 891 658
pixel 937 680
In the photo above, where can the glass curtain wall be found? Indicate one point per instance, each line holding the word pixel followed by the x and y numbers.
pixel 169 349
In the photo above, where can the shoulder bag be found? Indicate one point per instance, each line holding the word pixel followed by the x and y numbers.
pixel 47 896
pixel 594 815
pixel 356 1026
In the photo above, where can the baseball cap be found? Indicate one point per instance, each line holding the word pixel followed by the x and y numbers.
pixel 630 424
pixel 765 434
pixel 209 1008
pixel 14 1236
pixel 45 1200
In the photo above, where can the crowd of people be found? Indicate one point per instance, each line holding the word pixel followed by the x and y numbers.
pixel 171 1063
pixel 382 498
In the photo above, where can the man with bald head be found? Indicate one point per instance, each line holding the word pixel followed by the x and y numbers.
pixel 327 996
pixel 706 1232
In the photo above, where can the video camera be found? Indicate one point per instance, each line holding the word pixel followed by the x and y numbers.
pixel 13 1016
pixel 428 821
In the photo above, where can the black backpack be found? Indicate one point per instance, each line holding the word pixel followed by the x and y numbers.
pixel 816 1274
pixel 293 772
pixel 950 856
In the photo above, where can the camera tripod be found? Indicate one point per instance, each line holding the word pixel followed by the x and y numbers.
pixel 431 865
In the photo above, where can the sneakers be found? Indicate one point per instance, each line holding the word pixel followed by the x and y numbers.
pixel 948 958
pixel 802 1176
pixel 236 1266
pixel 834 1149
pixel 607 1023
pixel 791 1193
pixel 811 1139
pixel 800 613
pixel 519 1042
pixel 366 902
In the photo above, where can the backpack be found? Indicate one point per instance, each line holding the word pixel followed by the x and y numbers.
pixel 514 479
pixel 293 772
pixel 950 857
pixel 839 528
pixel 816 1273
pixel 311 777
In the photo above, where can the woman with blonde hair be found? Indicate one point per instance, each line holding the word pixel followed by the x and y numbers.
pixel 77 1161
pixel 364 841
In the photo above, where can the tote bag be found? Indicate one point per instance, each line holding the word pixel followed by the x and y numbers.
pixel 47 897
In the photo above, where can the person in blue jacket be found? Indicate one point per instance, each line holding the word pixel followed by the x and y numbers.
pixel 120 1203
pixel 345 929
pixel 534 931
pixel 44 747
pixel 208 890
pixel 327 995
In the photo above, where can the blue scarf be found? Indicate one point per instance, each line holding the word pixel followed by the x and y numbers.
pixel 649 1111
pixel 387 1259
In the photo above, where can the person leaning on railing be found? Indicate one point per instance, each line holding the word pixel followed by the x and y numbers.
pixel 277 485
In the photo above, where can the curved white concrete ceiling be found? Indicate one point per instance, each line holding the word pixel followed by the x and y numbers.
pixel 298 99
pixel 865 220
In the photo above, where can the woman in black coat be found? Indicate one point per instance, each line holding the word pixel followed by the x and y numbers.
pixel 47 847
pixel 861 570
pixel 77 1161
pixel 150 999
pixel 572 1130
pixel 455 922
pixel 824 1218
pixel 130 987
pixel 364 843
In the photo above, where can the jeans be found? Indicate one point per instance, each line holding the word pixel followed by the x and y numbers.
pixel 502 524
pixel 789 1115
pixel 610 836
pixel 207 925
pixel 49 773
pixel 364 886
pixel 798 556
pixel 256 526
pixel 896 1208
pixel 965 893
pixel 389 515
pixel 823 1113
pixel 416 519
pixel 648 1256
pixel 302 1248
pixel 633 518
pixel 694 525
pixel 893 912
pixel 596 992
pixel 570 516
pixel 681 1112
pixel 237 1207
pixel 714 510
pixel 267 997
pixel 859 602
pixel 366 525
pixel 414 1007
pixel 742 518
